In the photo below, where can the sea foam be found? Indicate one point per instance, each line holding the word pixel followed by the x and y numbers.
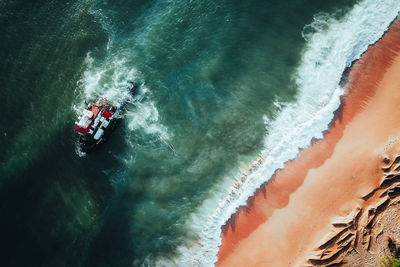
pixel 332 45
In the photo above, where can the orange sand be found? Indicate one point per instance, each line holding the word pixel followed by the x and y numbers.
pixel 289 215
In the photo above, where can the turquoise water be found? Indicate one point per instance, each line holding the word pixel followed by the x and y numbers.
pixel 213 78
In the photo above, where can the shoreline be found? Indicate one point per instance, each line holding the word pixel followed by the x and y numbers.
pixel 276 196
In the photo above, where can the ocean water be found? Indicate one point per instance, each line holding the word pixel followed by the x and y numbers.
pixel 221 83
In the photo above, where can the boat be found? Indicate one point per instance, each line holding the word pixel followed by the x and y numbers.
pixel 97 121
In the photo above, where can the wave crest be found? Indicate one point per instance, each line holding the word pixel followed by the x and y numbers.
pixel 332 45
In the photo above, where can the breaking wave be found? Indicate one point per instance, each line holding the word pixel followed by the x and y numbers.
pixel 332 45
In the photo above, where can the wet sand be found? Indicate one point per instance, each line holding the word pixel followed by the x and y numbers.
pixel 290 216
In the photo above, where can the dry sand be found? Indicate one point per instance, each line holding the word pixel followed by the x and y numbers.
pixel 334 187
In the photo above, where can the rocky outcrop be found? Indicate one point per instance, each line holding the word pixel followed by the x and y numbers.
pixel 360 229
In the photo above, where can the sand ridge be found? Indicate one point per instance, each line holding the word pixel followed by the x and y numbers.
pixel 290 215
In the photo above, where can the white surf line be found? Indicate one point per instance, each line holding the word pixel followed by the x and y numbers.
pixel 329 51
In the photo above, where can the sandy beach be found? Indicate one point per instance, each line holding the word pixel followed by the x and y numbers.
pixel 332 199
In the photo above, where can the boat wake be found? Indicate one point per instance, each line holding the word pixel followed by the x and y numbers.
pixel 332 45
pixel 110 81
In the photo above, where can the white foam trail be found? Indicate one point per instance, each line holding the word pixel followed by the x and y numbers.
pixel 145 116
pixel 331 47
pixel 107 80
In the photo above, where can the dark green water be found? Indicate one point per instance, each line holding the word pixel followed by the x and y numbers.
pixel 210 72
